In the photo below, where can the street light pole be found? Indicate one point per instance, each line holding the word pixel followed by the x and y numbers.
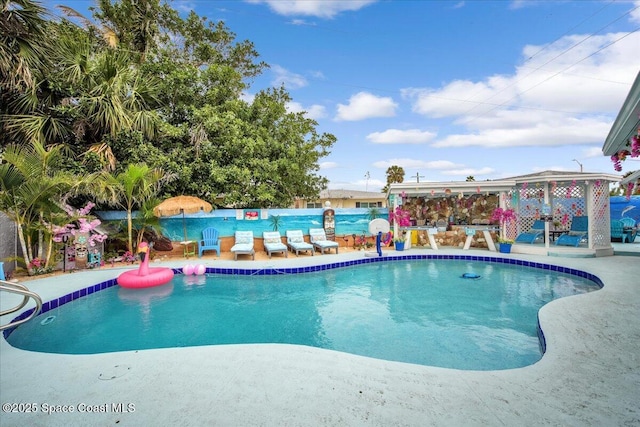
pixel 579 164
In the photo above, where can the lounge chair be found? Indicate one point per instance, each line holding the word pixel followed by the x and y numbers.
pixel 295 242
pixel 273 243
pixel 210 241
pixel 617 230
pixel 579 231
pixel 631 230
pixel 319 240
pixel 537 231
pixel 243 245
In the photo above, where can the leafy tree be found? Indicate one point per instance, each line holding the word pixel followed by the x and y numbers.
pixel 142 84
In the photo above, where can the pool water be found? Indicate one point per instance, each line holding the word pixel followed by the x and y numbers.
pixel 420 312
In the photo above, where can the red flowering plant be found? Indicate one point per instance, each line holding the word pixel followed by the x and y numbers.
pixel 504 217
pixel 39 266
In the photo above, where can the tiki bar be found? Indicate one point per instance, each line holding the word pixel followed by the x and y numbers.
pixel 546 213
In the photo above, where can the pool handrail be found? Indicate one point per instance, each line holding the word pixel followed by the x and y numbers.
pixel 27 294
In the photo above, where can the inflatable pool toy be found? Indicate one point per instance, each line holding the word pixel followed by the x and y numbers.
pixel 198 269
pixel 388 238
pixel 470 276
pixel 145 277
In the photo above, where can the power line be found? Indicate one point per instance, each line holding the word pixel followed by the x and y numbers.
pixel 547 62
pixel 554 75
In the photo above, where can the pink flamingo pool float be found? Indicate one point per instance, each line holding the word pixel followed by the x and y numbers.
pixel 145 277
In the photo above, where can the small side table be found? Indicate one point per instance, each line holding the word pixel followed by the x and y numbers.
pixel 188 248
pixel 554 234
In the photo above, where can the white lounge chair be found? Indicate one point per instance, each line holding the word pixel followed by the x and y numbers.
pixel 295 242
pixel 273 243
pixel 319 240
pixel 243 245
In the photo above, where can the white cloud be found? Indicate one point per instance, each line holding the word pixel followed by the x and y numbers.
pixel 635 14
pixel 398 136
pixel 328 165
pixel 551 132
pixel 469 171
pixel 286 77
pixel 302 22
pixel 562 94
pixel 417 164
pixel 364 105
pixel 318 8
pixel 314 111
pixel 592 152
pixel 247 97
pixel 319 75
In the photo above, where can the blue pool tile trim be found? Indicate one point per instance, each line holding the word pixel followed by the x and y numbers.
pixel 49 305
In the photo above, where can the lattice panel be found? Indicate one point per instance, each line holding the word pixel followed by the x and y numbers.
pixel 531 201
pixel 599 215
pixel 567 201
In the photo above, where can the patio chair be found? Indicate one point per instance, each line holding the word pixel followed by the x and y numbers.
pixel 295 242
pixel 273 243
pixel 579 231
pixel 243 245
pixel 630 228
pixel 617 230
pixel 536 232
pixel 210 241
pixel 319 240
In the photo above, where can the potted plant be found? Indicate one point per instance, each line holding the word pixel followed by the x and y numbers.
pixel 398 243
pixel 505 245
pixel 504 217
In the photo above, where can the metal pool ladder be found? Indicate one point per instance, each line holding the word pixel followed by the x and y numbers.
pixel 16 288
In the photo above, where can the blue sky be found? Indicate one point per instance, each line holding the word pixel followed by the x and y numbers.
pixel 445 89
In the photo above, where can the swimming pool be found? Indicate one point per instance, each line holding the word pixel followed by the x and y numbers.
pixel 417 311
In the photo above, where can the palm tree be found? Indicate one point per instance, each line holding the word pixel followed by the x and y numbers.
pixel 99 92
pixel 395 174
pixel 470 178
pixel 129 189
pixel 33 191
pixel 22 47
pixel 25 49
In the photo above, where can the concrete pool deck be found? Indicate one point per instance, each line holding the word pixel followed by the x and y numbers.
pixel 590 374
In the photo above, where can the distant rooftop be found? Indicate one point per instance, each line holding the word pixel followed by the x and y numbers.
pixel 351 194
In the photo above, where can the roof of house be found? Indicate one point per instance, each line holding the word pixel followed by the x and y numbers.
pixel 550 175
pixel 351 194
pixel 436 189
pixel 627 122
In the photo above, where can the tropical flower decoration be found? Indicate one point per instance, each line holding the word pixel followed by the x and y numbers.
pixel 503 216
pixel 400 216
